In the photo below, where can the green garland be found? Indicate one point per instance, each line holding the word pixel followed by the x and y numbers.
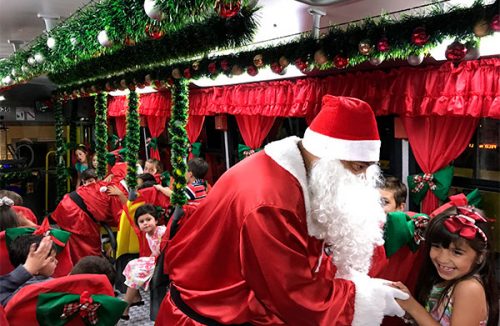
pixel 61 171
pixel 179 140
pixel 101 133
pixel 193 22
pixel 458 23
pixel 6 177
pixel 132 139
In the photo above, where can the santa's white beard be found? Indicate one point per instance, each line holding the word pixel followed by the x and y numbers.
pixel 346 213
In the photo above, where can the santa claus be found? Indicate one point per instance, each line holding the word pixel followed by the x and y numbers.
pixel 254 251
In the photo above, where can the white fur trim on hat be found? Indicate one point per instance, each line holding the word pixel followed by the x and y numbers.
pixel 348 150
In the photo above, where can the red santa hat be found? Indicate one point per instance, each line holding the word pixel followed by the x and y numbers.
pixel 344 129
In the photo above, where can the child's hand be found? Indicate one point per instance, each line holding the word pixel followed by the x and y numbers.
pixel 114 191
pixel 158 187
pixel 108 178
pixel 401 286
pixel 39 257
pixel 405 304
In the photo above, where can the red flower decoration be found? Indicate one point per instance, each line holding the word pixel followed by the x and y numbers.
pixel 187 73
pixel 227 9
pixel 340 61
pixel 212 68
pixel 456 51
pixel 419 36
pixel 383 45
pixel 252 70
pixel 495 23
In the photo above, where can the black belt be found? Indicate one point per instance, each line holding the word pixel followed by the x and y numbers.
pixel 176 298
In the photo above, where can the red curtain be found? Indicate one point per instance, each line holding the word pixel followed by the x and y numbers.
pixel 470 89
pixel 254 129
pixel 121 126
pixel 117 106
pixel 155 107
pixel 194 127
pixel 436 141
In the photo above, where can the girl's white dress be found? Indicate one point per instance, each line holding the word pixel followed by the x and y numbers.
pixel 138 272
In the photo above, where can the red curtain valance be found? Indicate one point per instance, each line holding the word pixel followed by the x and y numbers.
pixel 151 104
pixel 471 89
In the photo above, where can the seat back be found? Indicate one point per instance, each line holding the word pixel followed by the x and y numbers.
pixel 22 308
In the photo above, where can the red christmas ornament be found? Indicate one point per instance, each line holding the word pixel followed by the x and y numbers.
pixel 495 23
pixel 154 32
pixel 383 45
pixel 227 9
pixel 252 70
pixel 187 73
pixel 456 51
pixel 419 36
pixel 340 61
pixel 301 65
pixel 224 65
pixel 212 68
pixel 276 68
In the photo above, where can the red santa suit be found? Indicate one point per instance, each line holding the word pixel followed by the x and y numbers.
pixel 245 255
pixel 85 233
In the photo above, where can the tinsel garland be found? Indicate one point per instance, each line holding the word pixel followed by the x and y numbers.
pixel 101 133
pixel 179 140
pixel 133 139
pixel 61 171
pixel 6 177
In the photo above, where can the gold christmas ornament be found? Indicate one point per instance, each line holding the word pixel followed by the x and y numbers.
pixel 283 61
pixel 320 57
pixel 481 28
pixel 364 47
pixel 176 73
pixel 196 65
pixel 258 61
pixel 236 70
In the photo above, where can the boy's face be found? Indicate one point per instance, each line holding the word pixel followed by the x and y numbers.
pixel 389 201
pixel 49 269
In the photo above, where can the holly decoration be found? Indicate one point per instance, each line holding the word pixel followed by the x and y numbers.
pixel 456 51
pixel 419 36
pixel 383 45
pixel 227 8
pixel 340 62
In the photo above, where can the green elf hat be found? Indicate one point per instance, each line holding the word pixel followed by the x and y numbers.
pixel 245 151
pixel 59 237
pixel 58 308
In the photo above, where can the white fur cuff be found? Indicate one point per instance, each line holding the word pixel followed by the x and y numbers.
pixel 368 306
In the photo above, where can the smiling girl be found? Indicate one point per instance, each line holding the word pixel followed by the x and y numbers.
pixel 457 283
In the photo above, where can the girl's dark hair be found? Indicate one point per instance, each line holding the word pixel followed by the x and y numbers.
pixel 8 218
pixel 437 234
pixel 146 177
pixel 145 209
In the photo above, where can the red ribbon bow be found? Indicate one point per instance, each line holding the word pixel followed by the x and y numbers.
pixel 464 223
pixel 86 308
pixel 44 230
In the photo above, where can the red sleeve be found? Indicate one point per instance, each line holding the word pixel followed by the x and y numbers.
pixel 278 262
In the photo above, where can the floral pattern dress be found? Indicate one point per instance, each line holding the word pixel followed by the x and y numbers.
pixel 138 272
